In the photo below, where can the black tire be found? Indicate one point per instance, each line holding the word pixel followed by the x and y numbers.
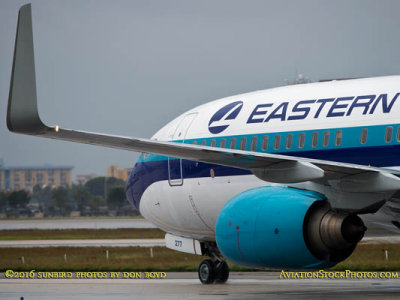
pixel 221 272
pixel 206 271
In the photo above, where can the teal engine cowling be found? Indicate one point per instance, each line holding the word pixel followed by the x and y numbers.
pixel 281 227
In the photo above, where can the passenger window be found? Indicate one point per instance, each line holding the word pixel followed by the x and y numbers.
pixel 222 143
pixel 233 143
pixel 253 145
pixel 264 144
pixel 289 139
pixel 277 142
pixel 243 144
pixel 325 140
pixel 338 138
pixel 194 143
pixel 364 135
pixel 388 134
pixel 203 142
pixel 398 134
pixel 212 144
pixel 302 139
pixel 314 140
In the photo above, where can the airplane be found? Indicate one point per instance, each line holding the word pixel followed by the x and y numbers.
pixel 278 178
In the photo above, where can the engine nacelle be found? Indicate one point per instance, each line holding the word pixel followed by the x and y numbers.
pixel 280 227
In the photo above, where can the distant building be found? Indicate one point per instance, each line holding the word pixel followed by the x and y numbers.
pixel 114 171
pixel 25 178
pixel 83 178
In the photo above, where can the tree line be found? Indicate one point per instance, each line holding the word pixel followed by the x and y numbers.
pixel 98 196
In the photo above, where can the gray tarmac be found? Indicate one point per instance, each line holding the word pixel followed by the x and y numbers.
pixel 388 239
pixel 257 285
pixel 76 223
pixel 84 243
pixel 392 239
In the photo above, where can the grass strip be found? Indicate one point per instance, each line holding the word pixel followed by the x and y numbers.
pixel 365 257
pixel 69 234
pixel 372 257
pixel 94 259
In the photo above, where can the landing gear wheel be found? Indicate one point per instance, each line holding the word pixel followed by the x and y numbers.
pixel 206 271
pixel 221 272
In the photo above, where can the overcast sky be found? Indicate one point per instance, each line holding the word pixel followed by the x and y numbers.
pixel 129 67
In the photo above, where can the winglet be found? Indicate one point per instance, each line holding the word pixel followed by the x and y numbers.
pixel 22 112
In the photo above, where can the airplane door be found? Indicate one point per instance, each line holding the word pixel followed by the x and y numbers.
pixel 175 176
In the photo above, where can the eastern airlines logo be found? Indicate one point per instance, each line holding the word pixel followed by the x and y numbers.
pixel 325 108
pixel 305 109
pixel 223 117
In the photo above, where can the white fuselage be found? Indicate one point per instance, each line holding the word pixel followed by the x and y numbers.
pixel 300 120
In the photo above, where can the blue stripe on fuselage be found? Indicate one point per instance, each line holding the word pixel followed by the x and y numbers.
pixel 375 152
pixel 155 168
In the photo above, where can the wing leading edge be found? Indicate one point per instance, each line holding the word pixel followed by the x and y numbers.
pixel 23 118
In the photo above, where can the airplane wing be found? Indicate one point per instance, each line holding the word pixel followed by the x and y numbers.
pixel 23 117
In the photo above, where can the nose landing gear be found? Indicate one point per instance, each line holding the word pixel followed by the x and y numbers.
pixel 213 271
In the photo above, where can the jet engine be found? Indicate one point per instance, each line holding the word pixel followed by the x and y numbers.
pixel 281 227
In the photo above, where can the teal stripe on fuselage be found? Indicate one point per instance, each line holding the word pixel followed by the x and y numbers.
pixel 351 138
